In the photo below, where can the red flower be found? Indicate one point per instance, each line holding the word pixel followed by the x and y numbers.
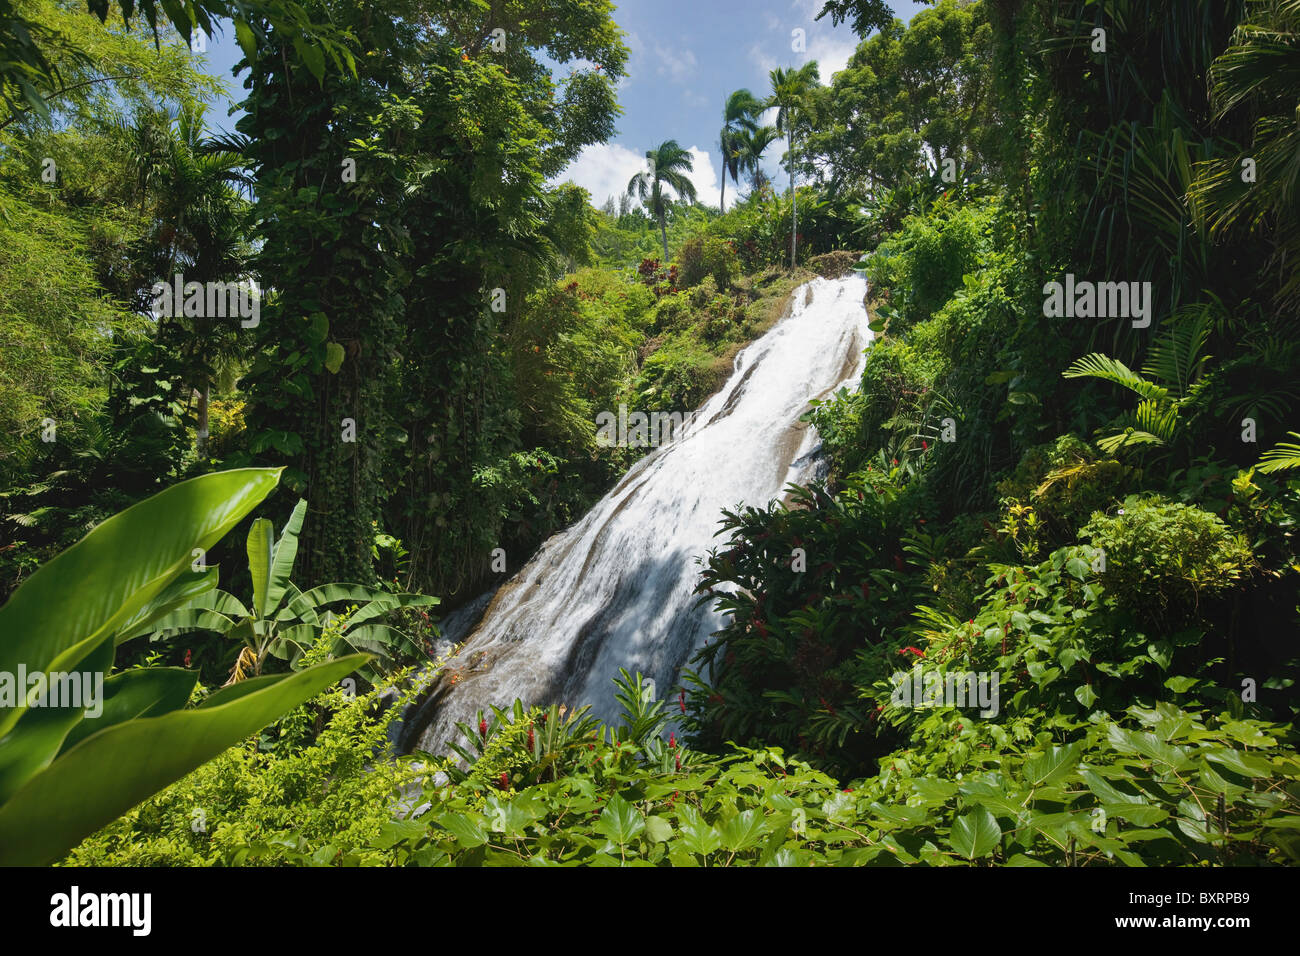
pixel 505 780
pixel 912 650
pixel 672 741
pixel 681 701
pixel 482 727
pixel 530 738
pixel 678 761
pixel 925 446
pixel 188 653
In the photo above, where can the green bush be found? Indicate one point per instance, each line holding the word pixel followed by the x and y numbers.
pixel 707 255
pixel 1162 557
pixel 923 265
pixel 289 796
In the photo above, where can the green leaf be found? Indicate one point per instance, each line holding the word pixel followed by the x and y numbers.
pixel 620 821
pixel 261 544
pixel 1052 766
pixel 114 769
pixel 468 833
pixel 333 357
pixel 697 835
pixel 87 592
pixel 247 40
pixel 658 830
pixel 286 552
pixel 975 834
pixel 742 831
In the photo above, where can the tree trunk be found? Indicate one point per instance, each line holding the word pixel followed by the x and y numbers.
pixel 722 200
pixel 663 235
pixel 201 437
pixel 794 204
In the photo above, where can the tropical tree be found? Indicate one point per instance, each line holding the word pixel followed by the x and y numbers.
pixel 752 145
pixel 201 223
pixel 791 91
pixel 740 116
pixel 669 165
pixel 1255 77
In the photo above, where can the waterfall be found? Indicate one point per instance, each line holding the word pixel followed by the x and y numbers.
pixel 616 589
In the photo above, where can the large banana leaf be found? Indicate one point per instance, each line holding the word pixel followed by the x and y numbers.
pixel 261 552
pixel 286 552
pixel 182 592
pixel 85 594
pixel 114 769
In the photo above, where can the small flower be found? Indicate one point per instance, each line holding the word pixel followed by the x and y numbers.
pixel 505 780
pixel 530 738
pixel 188 654
pixel 672 741
pixel 482 727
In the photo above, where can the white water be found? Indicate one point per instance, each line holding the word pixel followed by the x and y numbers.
pixel 615 589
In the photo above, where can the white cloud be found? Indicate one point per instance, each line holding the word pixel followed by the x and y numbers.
pixel 605 168
pixel 831 55
pixel 704 177
pixel 680 65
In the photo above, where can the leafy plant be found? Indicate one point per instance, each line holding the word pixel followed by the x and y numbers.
pixel 65 773
pixel 281 620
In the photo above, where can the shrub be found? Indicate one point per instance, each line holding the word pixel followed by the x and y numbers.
pixel 1162 557
pixel 313 799
pixel 707 255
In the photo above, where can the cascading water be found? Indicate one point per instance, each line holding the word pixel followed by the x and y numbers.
pixel 616 589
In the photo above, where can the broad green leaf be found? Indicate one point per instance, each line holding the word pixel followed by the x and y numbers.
pixel 742 831
pixel 261 552
pixel 87 592
pixel 1052 766
pixel 182 592
pixel 468 833
pixel 620 821
pixel 37 738
pixel 658 829
pixel 115 768
pixel 286 552
pixel 697 836
pixel 333 357
pixel 975 834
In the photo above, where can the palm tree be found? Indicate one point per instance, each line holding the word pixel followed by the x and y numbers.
pixel 738 117
pixel 668 167
pixel 202 220
pixel 791 92
pixel 751 146
pixel 1254 79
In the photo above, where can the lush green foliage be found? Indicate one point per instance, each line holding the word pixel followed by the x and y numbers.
pixel 66 770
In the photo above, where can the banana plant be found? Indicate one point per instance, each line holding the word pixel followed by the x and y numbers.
pixel 281 620
pixel 71 764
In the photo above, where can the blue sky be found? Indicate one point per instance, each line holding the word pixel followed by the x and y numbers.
pixel 687 56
